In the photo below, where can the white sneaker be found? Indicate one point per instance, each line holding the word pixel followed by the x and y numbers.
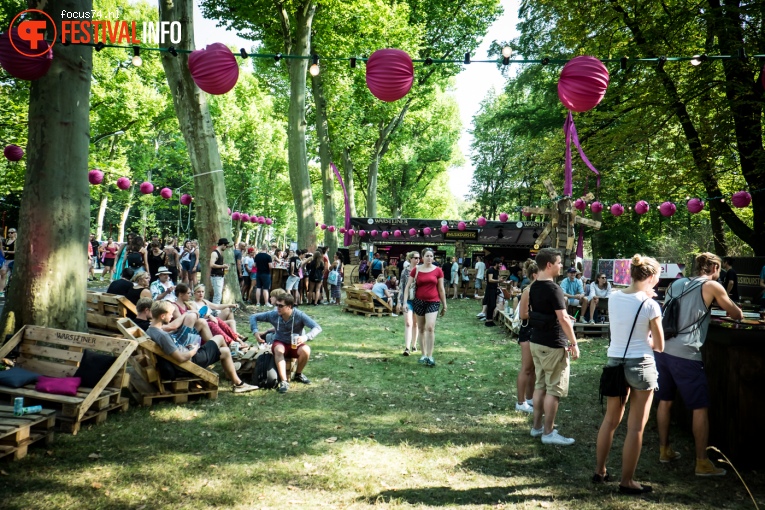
pixel 537 432
pixel 394 315
pixel 530 402
pixel 582 320
pixel 555 438
pixel 244 388
pixel 481 315
pixel 524 407
pixel 269 305
pixel 483 319
pixel 592 321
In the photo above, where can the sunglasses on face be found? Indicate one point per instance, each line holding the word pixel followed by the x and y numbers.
pixel 280 306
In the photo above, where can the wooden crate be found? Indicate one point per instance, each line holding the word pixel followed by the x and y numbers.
pixel 365 302
pixel 147 387
pixel 17 433
pixel 104 310
pixel 57 353
pixel 602 330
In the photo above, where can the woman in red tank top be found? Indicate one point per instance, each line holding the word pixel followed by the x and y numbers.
pixel 429 280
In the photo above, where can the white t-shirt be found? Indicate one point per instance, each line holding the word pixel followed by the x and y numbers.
pixel 480 267
pixel 596 291
pixel 621 313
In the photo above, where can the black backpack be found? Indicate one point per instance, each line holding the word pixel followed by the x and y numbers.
pixel 670 315
pixel 265 376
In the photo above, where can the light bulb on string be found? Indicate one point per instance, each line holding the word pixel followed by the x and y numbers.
pixel 507 52
pixel 696 60
pixel 137 60
pixel 314 70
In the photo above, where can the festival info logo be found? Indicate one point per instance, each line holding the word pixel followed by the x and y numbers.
pixel 86 28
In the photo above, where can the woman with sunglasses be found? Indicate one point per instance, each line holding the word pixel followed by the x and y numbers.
pixel 599 289
pixel 429 295
pixel 410 330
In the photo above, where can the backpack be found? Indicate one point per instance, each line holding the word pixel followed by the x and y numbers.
pixel 670 314
pixel 363 267
pixel 264 376
pixel 332 277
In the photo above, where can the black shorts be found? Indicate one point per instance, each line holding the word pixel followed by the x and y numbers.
pixel 420 307
pixel 108 262
pixel 205 356
pixel 524 334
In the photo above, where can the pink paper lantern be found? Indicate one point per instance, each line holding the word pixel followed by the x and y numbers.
pixel 13 152
pixel 397 233
pixel 373 233
pixel 580 204
pixel 385 234
pixel 186 199
pixel 166 193
pixel 323 226
pixel 269 221
pixel 244 217
pixel 214 68
pixel 617 209
pixel 695 205
pixel 741 199
pixel 260 219
pixel 229 211
pixel 412 232
pixel 527 214
pixel 362 233
pixel 582 83
pixel 95 176
pixel 667 209
pixel 503 217
pixel 596 207
pixel 641 207
pixel 146 188
pixel 444 228
pixel 390 74
pixel 317 223
pixel 461 225
pixel 342 230
pixel 481 222
pixel 331 228
pixel 22 66
pixel 351 232
pixel 123 183
pixel 254 219
pixel 427 231
pixel 236 216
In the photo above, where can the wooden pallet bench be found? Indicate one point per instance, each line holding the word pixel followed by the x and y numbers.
pixel 365 302
pixel 17 433
pixel 104 310
pixel 147 387
pixel 602 330
pixel 57 353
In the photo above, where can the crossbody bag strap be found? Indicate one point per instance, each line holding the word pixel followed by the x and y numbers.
pixel 633 329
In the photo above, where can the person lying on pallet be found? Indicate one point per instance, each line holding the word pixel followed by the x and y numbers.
pixel 188 349
pixel 288 340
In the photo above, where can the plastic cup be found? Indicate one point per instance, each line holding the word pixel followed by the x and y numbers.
pixel 295 340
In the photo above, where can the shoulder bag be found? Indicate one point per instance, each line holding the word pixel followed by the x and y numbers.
pixel 613 382
pixel 413 287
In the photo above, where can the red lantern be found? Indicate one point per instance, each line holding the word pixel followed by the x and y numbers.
pixel 617 209
pixel 342 230
pixel 385 234
pixel 461 225
pixel 667 209
pixel 13 152
pixel 22 66
pixel 412 232
pixel 503 217
pixel 444 228
pixel 214 69
pixel 236 216
pixel 390 74
pixel 146 188
pixel 397 233
pixel 186 199
pixel 580 204
pixel 373 233
pixel 253 218
pixel 244 217
pixel 323 226
pixel 427 231
pixel 331 228
pixel 695 205
pixel 261 220
pixel 269 221
pixel 481 222
pixel 595 207
pixel 166 193
pixel 641 207
pixel 741 199
pixel 351 232
pixel 583 83
pixel 95 176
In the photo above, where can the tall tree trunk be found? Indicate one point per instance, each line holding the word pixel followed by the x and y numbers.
pixel 124 215
pixel 300 181
pixel 718 232
pixel 50 272
pixel 325 158
pixel 101 213
pixel 196 125
pixel 382 144
pixel 348 176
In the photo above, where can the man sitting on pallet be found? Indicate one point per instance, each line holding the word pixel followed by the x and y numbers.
pixel 288 340
pixel 573 290
pixel 188 349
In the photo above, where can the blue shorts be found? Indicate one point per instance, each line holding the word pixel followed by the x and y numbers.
pixel 264 281
pixel 684 375
pixel 640 373
pixel 186 265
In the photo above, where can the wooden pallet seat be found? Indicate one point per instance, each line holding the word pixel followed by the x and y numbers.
pixel 57 353
pixel 104 310
pixel 365 302
pixel 146 383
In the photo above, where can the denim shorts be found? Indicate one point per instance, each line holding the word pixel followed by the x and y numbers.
pixel 641 373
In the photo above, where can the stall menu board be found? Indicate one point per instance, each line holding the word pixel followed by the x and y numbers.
pixel 606 266
pixel 622 272
pixel 587 269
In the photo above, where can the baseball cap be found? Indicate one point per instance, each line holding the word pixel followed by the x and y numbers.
pixel 223 241
pixel 571 270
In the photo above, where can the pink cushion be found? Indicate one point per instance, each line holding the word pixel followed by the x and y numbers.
pixel 58 385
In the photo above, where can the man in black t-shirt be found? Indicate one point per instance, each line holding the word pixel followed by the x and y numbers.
pixel 492 286
pixel 143 313
pixel 123 285
pixel 731 279
pixel 551 342
pixel 263 263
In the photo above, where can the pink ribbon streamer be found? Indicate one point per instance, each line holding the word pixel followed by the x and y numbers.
pixel 580 241
pixel 571 135
pixel 347 239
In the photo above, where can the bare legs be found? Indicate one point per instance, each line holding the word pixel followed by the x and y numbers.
pixel 304 353
pixel 427 327
pixel 700 427
pixel 526 375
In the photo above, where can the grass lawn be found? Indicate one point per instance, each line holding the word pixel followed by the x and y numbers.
pixel 374 429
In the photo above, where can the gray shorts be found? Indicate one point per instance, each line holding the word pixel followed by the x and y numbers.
pixel 293 283
pixel 641 373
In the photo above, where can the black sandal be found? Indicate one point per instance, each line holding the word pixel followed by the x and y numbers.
pixel 596 478
pixel 645 489
pixel 406 352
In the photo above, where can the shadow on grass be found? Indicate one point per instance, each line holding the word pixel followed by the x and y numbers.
pixel 447 496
